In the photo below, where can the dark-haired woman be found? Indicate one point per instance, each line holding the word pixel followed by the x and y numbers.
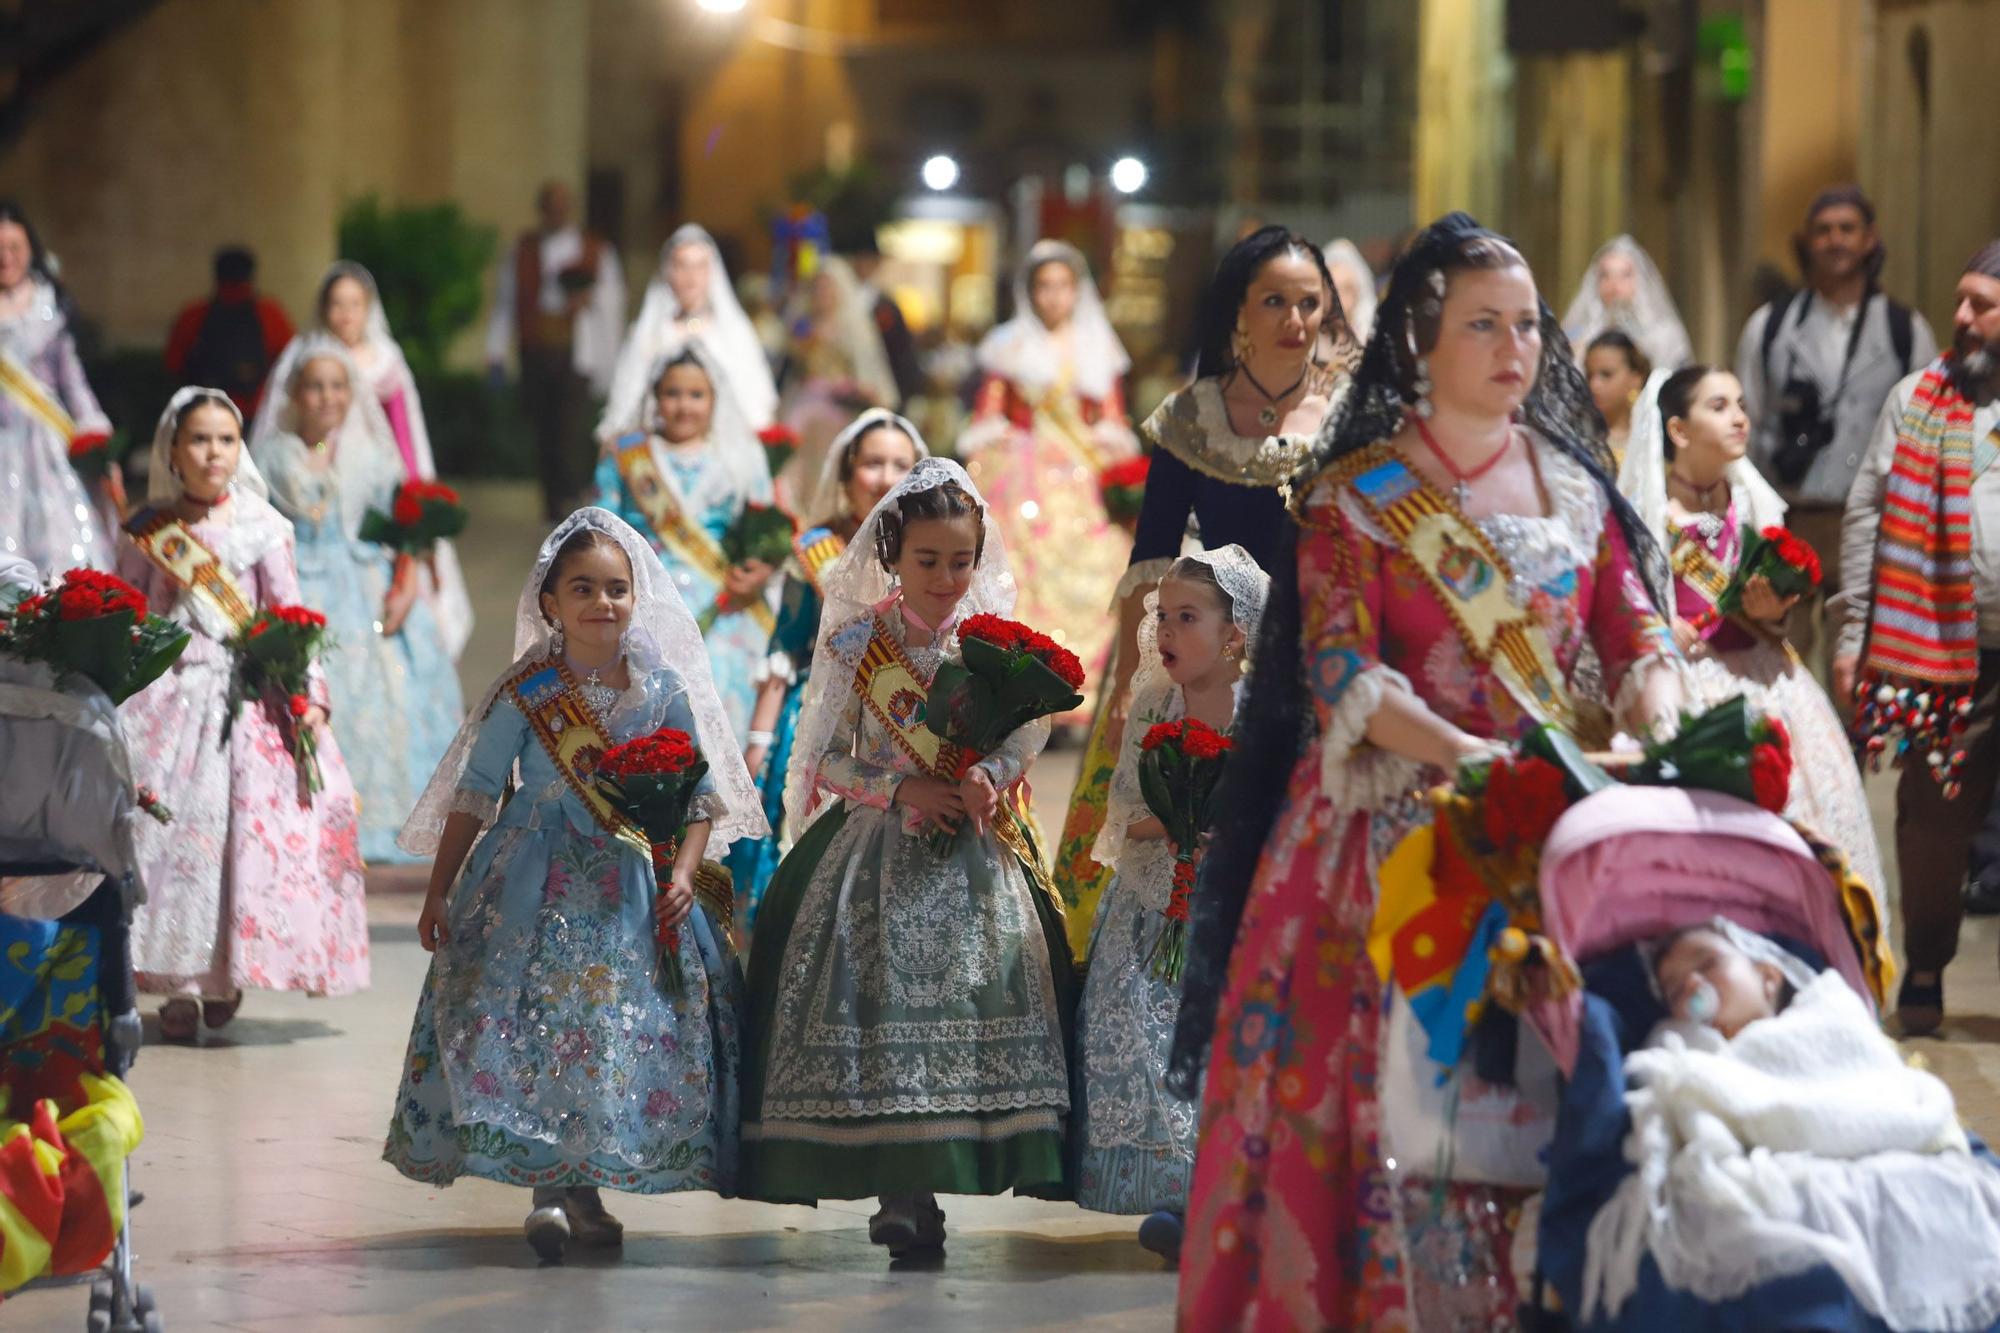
pixel 1221 448
pixel 907 999
pixel 1617 372
pixel 1688 476
pixel 47 514
pixel 1459 553
pixel 1049 417
pixel 682 473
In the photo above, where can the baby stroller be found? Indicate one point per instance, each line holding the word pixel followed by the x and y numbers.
pixel 1610 878
pixel 68 1001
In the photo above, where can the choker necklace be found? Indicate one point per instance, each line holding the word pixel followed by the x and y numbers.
pixel 1267 415
pixel 1462 479
pixel 1704 496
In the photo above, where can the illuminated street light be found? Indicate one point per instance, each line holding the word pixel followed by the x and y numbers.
pixel 721 6
pixel 940 172
pixel 1128 175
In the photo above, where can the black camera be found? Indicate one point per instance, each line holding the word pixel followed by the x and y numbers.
pixel 1804 428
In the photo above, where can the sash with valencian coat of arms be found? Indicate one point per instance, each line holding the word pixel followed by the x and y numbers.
pixel 171 546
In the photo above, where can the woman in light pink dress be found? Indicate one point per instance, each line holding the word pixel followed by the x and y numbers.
pixel 256 882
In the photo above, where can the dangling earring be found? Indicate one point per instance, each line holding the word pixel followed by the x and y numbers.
pixel 555 639
pixel 1423 387
pixel 1241 346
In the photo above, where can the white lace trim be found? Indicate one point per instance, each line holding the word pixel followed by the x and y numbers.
pixel 1193 426
pixel 983 433
pixel 778 666
pixel 1354 774
pixel 478 804
pixel 1140 574
pixel 1635 681
pixel 708 805
pixel 927 1130
pixel 1013 1099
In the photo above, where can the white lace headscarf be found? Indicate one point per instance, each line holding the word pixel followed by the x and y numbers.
pixel 829 500
pixel 366 429
pixel 852 329
pixel 852 586
pixel 745 469
pixel 163 486
pixel 390 363
pixel 1642 478
pixel 1342 255
pixel 1154 692
pixel 1024 351
pixel 721 327
pixel 1651 320
pixel 661 633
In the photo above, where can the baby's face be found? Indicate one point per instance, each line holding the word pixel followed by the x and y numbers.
pixel 1705 960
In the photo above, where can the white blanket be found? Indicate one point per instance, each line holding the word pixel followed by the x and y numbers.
pixel 1804 1141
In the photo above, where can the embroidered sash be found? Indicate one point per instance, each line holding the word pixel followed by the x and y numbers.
pixel 684 539
pixel 33 397
pixel 170 544
pixel 1470 578
pixel 1695 564
pixel 893 692
pixel 816 549
pixel 1057 414
pixel 573 738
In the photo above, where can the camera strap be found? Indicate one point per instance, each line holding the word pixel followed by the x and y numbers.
pixel 1846 361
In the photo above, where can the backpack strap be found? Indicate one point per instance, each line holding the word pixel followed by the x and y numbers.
pixel 1779 311
pixel 1902 335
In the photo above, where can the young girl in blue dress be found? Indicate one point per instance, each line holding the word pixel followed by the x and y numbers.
pixel 546 1051
pixel 682 473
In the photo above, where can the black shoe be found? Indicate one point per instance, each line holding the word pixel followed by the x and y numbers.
pixel 1920 1005
pixel 1982 897
pixel 1161 1233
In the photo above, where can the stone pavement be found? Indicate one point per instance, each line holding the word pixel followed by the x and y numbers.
pixel 269 1208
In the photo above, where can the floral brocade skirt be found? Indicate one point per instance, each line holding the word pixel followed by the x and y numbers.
pixel 1296 1220
pixel 545 1050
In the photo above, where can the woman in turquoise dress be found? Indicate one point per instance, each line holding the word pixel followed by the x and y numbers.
pixel 863 464
pixel 682 475
pixel 908 1005
pixel 329 457
pixel 547 1049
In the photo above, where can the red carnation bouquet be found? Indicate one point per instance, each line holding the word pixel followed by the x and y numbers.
pixel 1123 486
pixel 422 513
pixel 1179 766
pixel 780 443
pixel 92 453
pixel 1775 554
pixel 762 533
pixel 1009 676
pixel 94 625
pixel 1728 749
pixel 651 780
pixel 274 657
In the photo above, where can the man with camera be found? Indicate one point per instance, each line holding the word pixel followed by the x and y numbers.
pixel 1816 368
pixel 1921 631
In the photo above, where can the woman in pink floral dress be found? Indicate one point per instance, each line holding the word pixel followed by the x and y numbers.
pixel 1464 571
pixel 256 882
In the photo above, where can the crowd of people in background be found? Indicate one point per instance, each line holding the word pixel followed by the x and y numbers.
pixel 1350 462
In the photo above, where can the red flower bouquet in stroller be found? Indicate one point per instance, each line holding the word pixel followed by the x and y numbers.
pixel 274 657
pixel 650 780
pixel 94 625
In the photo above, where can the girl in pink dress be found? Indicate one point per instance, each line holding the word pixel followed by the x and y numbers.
pixel 1463 572
pixel 256 882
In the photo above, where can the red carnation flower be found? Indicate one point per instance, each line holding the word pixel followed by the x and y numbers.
pixel 1524 799
pixel 1770 776
pixel 298 703
pixel 1201 741
pixel 1159 735
pixel 31 606
pixel 407 511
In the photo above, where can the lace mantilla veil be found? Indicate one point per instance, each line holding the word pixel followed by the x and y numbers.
pixel 1247 585
pixel 163 488
pixel 1652 320
pixel 366 429
pixel 853 585
pixel 662 633
pixel 1023 350
pixel 744 465
pixel 1276 724
pixel 1643 478
pixel 724 331
pixel 826 490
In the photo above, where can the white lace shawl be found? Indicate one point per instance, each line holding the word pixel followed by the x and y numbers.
pixel 163 486
pixel 1651 320
pixel 1024 352
pixel 661 633
pixel 1642 478
pixel 1341 254
pixel 745 470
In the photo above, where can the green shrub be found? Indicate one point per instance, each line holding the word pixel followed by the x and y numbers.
pixel 429 264
pixel 477 430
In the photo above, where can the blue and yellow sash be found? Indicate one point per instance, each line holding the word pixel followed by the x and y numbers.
pixel 815 549
pixel 683 538
pixel 1470 578
pixel 574 739
pixel 894 691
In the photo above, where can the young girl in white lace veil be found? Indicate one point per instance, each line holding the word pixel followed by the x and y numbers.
pixel 682 470
pixel 1135 1140
pixel 908 1006
pixel 546 1051
pixel 257 882
pixel 1622 289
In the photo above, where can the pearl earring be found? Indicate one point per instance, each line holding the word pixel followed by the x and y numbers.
pixel 1423 387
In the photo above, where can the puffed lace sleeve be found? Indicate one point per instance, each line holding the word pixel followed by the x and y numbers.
pixel 1341 591
pixel 1006 765
pixel 1124 804
pixel 491 762
pixel 676 713
pixel 845 773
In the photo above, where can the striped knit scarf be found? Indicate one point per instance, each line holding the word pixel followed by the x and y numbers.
pixel 1923 642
